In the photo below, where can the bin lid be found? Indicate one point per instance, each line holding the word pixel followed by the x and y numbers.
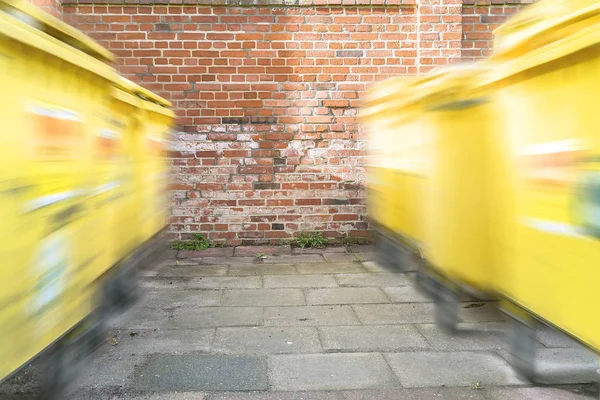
pixel 540 24
pixel 55 28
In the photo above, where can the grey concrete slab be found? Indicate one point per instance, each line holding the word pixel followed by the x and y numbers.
pixel 173 396
pixel 310 316
pixel 345 296
pixel 327 268
pixel 267 269
pixel 429 369
pixel 469 336
pixel 360 280
pixel 372 266
pixel 252 251
pixel 157 283
pixel 541 393
pixel 174 298
pixel 105 369
pixel 141 317
pixel 474 311
pixel 365 394
pixel 294 259
pixel 372 338
pixel 213 252
pixel 192 271
pixel 227 260
pixel 562 366
pixel 406 294
pixel 188 318
pixel 329 372
pixel 299 281
pixel 143 342
pixel 385 314
pixel 550 337
pixel 226 282
pixel 202 373
pixel 263 297
pixel 260 340
pixel 310 250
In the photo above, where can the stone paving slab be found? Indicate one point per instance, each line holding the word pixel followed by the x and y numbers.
pixel 349 257
pixel 172 396
pixel 310 250
pixel 381 280
pixel 192 271
pixel 329 372
pixel 106 369
pixel 326 268
pixel 367 394
pixel 299 281
pixel 269 269
pixel 405 294
pixel 168 299
pixel 563 365
pixel 141 317
pixel 372 338
pixel 143 342
pixel 226 282
pixel 263 297
pixel 214 252
pixel 252 251
pixel 346 296
pixel 430 369
pixel 310 316
pixel 390 314
pixel 294 259
pixel 166 283
pixel 267 340
pixel 372 266
pixel 541 393
pixel 469 336
pixel 194 318
pixel 550 337
pixel 228 260
pixel 202 373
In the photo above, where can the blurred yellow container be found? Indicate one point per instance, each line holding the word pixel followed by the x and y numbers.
pixel 548 234
pixel 397 168
pixel 156 136
pixel 50 247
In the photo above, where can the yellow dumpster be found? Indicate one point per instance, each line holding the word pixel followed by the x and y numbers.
pixel 399 173
pixel 158 122
pixel 548 85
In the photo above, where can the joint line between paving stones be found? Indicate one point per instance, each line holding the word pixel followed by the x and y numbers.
pixel 416 326
pixel 396 377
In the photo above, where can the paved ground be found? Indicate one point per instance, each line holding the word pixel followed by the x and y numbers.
pixel 327 325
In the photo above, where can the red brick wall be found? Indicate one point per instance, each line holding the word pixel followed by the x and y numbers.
pixel 480 18
pixel 268 142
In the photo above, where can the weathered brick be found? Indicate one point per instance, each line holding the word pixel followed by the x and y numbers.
pixel 267 97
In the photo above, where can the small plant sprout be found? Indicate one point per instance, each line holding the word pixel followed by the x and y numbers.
pixel 314 240
pixel 261 256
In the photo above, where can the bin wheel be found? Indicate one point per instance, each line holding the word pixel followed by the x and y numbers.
pixel 522 348
pixel 446 309
pixel 60 371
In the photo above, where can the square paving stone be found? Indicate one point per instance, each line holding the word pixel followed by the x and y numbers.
pixel 200 372
pixel 157 283
pixel 172 396
pixel 266 340
pixel 192 271
pixel 359 280
pixel 269 269
pixel 372 338
pixel 345 296
pixel 329 372
pixel 226 282
pixel 105 369
pixel 193 318
pixel 143 342
pixel 252 251
pixel 263 297
pixel 428 369
pixel 181 298
pixel 563 366
pixel 310 316
pixel 469 336
pixel 541 393
pixel 406 294
pixel 389 314
pixel 414 394
pixel 141 317
pixel 327 268
pixel 299 281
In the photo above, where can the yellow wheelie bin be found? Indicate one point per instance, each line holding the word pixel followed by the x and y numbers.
pixel 548 236
pixel 157 128
pixel 399 175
